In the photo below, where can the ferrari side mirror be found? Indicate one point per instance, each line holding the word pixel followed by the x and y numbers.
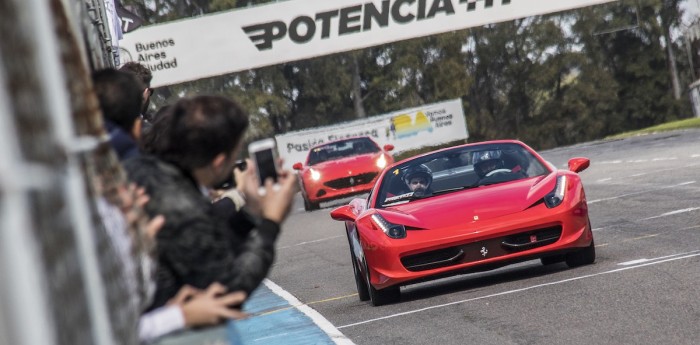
pixel 344 213
pixel 579 164
pixel 388 147
pixel 296 166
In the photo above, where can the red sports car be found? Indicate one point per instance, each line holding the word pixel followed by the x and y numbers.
pixel 341 168
pixel 462 209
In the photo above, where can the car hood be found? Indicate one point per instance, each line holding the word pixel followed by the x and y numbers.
pixel 482 203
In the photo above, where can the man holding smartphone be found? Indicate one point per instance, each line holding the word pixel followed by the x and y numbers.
pixel 191 148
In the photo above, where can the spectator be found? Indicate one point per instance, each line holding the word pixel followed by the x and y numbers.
pixel 152 137
pixel 193 147
pixel 119 94
pixel 120 101
pixel 145 76
pixel 190 307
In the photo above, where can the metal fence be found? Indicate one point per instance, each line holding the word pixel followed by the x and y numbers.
pixel 62 280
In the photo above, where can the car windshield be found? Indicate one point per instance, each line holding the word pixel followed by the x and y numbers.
pixel 341 149
pixel 457 169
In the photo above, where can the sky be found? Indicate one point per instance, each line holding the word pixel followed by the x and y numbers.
pixel 692 11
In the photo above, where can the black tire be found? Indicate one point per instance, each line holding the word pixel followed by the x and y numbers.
pixel 362 291
pixel 585 256
pixel 551 260
pixel 384 296
pixel 310 206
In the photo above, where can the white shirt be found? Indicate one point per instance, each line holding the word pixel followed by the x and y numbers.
pixel 155 323
pixel 159 322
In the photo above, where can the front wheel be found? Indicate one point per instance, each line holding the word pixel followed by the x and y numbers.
pixel 384 296
pixel 310 206
pixel 585 256
pixel 362 291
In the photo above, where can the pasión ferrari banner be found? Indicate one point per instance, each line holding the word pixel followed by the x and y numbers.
pixel 407 129
pixel 286 31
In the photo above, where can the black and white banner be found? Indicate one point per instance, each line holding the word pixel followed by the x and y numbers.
pixel 271 34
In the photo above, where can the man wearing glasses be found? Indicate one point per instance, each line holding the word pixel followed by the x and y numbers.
pixel 145 76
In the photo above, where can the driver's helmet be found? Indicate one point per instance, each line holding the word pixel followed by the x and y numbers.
pixel 418 171
pixel 486 155
pixel 513 160
pixel 486 166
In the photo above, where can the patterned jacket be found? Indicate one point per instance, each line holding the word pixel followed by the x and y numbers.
pixel 199 245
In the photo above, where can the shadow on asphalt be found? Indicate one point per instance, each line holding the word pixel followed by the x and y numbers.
pixel 479 280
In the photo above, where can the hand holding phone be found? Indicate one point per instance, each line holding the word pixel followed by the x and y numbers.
pixel 264 156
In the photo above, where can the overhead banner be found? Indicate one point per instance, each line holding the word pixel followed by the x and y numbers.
pixel 407 129
pixel 286 31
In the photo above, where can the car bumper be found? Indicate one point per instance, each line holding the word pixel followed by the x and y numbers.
pixel 319 192
pixel 431 254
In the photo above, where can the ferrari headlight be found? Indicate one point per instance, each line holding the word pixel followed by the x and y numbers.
pixel 381 162
pixel 556 197
pixel 392 230
pixel 315 174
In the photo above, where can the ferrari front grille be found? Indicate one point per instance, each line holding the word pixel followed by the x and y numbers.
pixel 351 181
pixel 486 249
pixel 532 239
pixel 432 259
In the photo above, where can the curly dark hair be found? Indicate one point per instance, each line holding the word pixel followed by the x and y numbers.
pixel 142 72
pixel 191 132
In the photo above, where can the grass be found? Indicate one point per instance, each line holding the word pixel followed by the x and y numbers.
pixel 669 126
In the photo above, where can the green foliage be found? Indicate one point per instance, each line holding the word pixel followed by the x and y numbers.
pixel 547 80
pixel 669 126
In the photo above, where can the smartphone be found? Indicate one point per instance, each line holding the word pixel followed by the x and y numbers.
pixel 263 153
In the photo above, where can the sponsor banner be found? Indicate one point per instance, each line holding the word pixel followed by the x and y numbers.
pixel 407 129
pixel 286 31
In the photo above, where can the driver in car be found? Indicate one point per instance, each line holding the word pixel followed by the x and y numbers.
pixel 485 168
pixel 418 179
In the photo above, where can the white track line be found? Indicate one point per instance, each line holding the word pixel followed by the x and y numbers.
pixel 641 192
pixel 309 242
pixel 325 325
pixel 676 257
pixel 673 213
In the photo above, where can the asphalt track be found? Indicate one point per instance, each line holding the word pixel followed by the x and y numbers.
pixel 644 204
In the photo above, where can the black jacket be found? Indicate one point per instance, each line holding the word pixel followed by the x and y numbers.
pixel 199 245
pixel 121 141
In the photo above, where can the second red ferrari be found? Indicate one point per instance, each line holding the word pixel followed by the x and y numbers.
pixel 341 168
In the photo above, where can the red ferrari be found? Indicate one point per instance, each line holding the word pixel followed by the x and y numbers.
pixel 341 168
pixel 463 209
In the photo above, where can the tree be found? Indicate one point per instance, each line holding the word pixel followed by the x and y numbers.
pixel 549 80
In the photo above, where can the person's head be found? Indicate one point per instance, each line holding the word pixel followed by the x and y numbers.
pixel 418 179
pixel 484 167
pixel 119 94
pixel 145 76
pixel 201 135
pixel 515 159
